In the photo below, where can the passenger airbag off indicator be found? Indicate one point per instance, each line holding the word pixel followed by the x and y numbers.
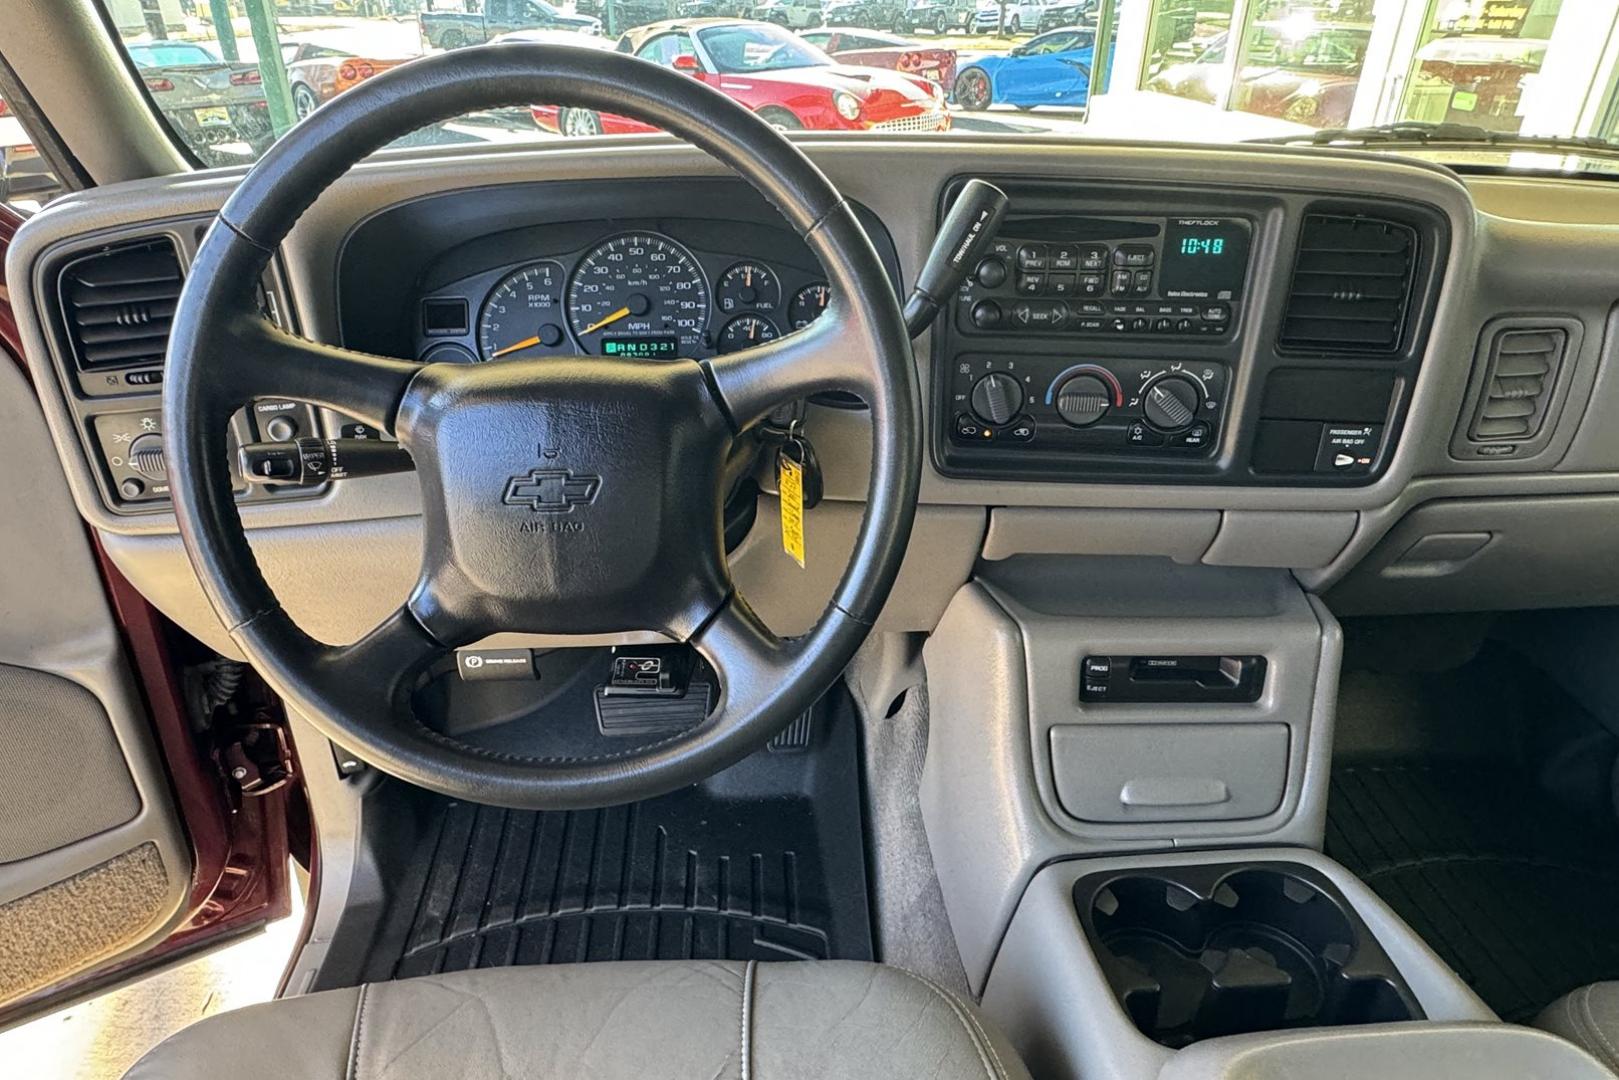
pixel 1348 448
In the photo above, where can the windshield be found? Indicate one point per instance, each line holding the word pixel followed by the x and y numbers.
pixel 743 48
pixel 1475 74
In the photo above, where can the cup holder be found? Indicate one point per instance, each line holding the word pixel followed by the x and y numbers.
pixel 1197 952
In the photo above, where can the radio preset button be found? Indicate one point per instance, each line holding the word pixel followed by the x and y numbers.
pixel 1061 285
pixel 1032 257
pixel 1092 285
pixel 1030 284
pixel 1093 257
pixel 1064 258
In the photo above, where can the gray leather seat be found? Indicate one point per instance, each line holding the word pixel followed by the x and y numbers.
pixel 1588 1017
pixel 630 1021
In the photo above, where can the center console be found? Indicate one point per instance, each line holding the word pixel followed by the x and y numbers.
pixel 1186 335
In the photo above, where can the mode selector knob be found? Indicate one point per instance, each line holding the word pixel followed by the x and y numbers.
pixel 146 456
pixel 1083 400
pixel 1171 403
pixel 996 398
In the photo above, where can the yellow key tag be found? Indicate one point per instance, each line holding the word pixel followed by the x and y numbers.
pixel 790 483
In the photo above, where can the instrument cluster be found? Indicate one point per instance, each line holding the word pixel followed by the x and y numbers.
pixel 640 293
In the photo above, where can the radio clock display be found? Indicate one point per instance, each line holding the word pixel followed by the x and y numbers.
pixel 1204 258
pixel 1202 245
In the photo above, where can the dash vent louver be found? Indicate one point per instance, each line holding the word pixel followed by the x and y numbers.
pixel 1351 288
pixel 118 303
pixel 1523 366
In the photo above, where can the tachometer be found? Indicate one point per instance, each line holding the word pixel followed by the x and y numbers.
pixel 523 315
pixel 639 295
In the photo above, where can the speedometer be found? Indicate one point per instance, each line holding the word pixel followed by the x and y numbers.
pixel 639 295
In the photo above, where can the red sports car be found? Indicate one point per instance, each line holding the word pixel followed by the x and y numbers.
pixel 874 48
pixel 775 73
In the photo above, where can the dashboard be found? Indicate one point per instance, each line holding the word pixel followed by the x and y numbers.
pixel 1143 367
pixel 638 288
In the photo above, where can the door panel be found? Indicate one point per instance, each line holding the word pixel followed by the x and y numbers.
pixel 94 866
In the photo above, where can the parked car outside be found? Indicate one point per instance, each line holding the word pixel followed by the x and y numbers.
pixel 712 9
pixel 778 75
pixel 24 172
pixel 939 16
pixel 214 104
pixel 1308 81
pixel 453 29
pixel 793 14
pixel 871 14
pixel 318 73
pixel 875 48
pixel 1051 69
pixel 1022 16
pixel 627 14
pixel 1067 13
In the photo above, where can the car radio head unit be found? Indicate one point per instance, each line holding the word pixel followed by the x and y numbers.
pixel 1177 276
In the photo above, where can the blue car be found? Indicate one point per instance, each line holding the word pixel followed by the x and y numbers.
pixel 1052 69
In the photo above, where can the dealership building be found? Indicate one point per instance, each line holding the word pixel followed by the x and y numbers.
pixel 1222 69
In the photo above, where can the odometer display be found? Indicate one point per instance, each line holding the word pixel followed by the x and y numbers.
pixel 642 348
pixel 639 286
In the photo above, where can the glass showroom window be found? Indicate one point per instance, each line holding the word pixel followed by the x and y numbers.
pixel 1476 59
pixel 1302 61
pixel 1186 49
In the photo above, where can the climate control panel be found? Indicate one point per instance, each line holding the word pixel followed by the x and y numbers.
pixel 1098 405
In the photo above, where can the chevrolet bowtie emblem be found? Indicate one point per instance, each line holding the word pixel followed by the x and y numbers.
pixel 551 491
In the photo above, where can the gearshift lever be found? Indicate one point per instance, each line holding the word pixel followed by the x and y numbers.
pixel 963 237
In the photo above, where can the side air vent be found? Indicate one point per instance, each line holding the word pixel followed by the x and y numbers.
pixel 118 303
pixel 1522 369
pixel 1351 285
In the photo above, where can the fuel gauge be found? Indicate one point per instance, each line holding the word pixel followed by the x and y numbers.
pixel 746 331
pixel 748 287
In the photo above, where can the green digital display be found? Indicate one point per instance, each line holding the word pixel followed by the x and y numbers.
pixel 642 348
pixel 1202 245
pixel 1204 258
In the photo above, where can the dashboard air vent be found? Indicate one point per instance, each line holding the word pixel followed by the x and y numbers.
pixel 1351 285
pixel 1523 366
pixel 118 303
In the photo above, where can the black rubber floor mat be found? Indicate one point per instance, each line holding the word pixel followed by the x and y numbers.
pixel 1517 894
pixel 764 861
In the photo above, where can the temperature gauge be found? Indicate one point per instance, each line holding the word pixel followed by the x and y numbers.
pixel 808 303
pixel 748 287
pixel 746 331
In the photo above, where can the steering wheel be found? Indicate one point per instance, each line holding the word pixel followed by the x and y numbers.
pixel 637 446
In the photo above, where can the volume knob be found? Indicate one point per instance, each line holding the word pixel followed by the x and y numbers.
pixel 996 398
pixel 1083 400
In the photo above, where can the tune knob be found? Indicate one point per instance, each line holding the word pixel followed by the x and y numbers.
pixel 1083 400
pixel 146 456
pixel 1171 403
pixel 997 397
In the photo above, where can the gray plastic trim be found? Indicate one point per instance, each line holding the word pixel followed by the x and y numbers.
pixel 58 621
pixel 1003 671
pixel 1049 995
